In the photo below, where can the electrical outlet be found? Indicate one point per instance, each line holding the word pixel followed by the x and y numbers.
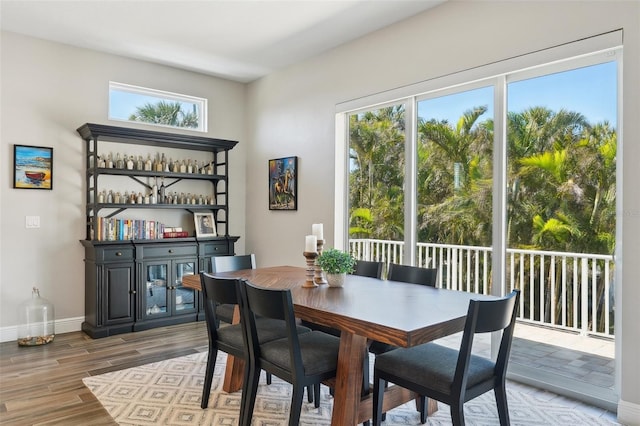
pixel 32 222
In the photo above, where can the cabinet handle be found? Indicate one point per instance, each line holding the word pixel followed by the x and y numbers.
pixel 132 292
pixel 170 250
pixel 118 253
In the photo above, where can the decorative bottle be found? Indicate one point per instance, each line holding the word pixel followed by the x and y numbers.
pixel 36 321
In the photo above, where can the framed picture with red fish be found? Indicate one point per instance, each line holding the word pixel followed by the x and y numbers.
pixel 32 167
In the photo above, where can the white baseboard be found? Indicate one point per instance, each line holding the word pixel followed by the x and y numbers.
pixel 65 325
pixel 628 413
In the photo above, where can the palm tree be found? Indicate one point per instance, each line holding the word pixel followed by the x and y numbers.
pixel 166 113
pixel 455 179
pixel 376 147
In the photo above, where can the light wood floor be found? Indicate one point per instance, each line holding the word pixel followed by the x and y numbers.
pixel 42 385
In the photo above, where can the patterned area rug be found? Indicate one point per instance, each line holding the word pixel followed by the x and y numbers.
pixel 168 393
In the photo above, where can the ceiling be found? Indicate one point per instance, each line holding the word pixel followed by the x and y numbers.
pixel 239 40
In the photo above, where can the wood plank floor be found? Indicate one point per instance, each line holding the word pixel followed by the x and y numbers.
pixel 42 385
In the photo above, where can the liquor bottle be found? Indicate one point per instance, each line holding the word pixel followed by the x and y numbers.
pixel 119 162
pixel 153 199
pixel 162 198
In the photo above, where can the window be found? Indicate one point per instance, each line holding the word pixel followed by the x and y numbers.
pixel 503 177
pixel 156 107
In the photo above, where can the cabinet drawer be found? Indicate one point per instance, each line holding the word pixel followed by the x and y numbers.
pixel 216 249
pixel 169 250
pixel 120 254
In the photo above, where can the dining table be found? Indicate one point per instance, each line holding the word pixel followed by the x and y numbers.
pixel 363 309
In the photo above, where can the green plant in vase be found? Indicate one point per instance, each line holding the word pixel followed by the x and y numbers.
pixel 336 263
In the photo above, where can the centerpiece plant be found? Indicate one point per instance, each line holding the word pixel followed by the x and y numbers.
pixel 336 263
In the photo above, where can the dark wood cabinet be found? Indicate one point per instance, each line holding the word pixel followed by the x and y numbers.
pixel 136 284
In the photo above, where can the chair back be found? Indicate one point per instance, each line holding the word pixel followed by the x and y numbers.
pixel 366 268
pixel 268 303
pixel 412 274
pixel 233 263
pixel 215 291
pixel 486 316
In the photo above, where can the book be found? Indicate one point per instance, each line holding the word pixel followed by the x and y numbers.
pixel 175 234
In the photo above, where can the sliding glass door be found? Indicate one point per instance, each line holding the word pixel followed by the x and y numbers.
pixel 504 183
pixel 561 223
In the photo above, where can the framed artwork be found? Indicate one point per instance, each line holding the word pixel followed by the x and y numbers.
pixel 32 167
pixel 283 183
pixel 205 226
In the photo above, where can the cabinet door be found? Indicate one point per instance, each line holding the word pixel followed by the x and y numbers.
pixel 118 294
pixel 155 300
pixel 185 299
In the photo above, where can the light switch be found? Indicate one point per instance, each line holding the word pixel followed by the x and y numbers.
pixel 32 221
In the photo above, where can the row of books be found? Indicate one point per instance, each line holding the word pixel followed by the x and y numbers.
pixel 115 229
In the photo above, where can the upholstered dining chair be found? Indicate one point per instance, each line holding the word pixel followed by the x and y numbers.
pixel 229 338
pixel 300 359
pixel 449 375
pixel 407 274
pixel 225 264
pixel 412 274
pixel 368 268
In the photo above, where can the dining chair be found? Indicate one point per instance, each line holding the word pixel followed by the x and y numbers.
pixel 368 268
pixel 230 263
pixel 406 274
pixel 300 359
pixel 229 338
pixel 412 274
pixel 449 375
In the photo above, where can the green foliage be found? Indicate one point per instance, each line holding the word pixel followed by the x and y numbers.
pixel 167 113
pixel 334 261
pixel 560 179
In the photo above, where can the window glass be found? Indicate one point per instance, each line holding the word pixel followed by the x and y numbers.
pixel 155 107
pixel 376 180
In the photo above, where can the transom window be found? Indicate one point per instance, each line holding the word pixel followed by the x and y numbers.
pixel 156 107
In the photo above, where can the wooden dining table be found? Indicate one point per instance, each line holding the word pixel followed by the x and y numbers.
pixel 364 309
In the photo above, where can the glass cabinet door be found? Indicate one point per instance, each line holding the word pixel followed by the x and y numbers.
pixel 156 291
pixel 184 298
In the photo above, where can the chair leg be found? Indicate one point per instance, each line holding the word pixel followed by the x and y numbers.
pixel 310 393
pixel 457 414
pixel 296 405
pixel 316 395
pixel 501 401
pixel 422 402
pixel 269 378
pixel 249 392
pixel 208 377
pixel 378 395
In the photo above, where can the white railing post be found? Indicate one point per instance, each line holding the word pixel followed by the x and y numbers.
pixel 584 287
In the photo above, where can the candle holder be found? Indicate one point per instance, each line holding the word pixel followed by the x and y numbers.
pixel 319 275
pixel 310 256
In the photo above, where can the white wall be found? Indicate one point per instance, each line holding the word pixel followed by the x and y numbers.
pixel 292 113
pixel 48 91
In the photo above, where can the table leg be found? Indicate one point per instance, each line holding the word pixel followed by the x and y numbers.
pixel 348 379
pixel 234 371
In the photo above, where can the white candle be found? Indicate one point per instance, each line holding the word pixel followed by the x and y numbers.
pixel 311 244
pixel 316 229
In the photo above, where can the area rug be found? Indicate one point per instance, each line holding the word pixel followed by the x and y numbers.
pixel 168 393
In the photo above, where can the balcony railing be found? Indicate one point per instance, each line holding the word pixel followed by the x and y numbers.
pixel 570 291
